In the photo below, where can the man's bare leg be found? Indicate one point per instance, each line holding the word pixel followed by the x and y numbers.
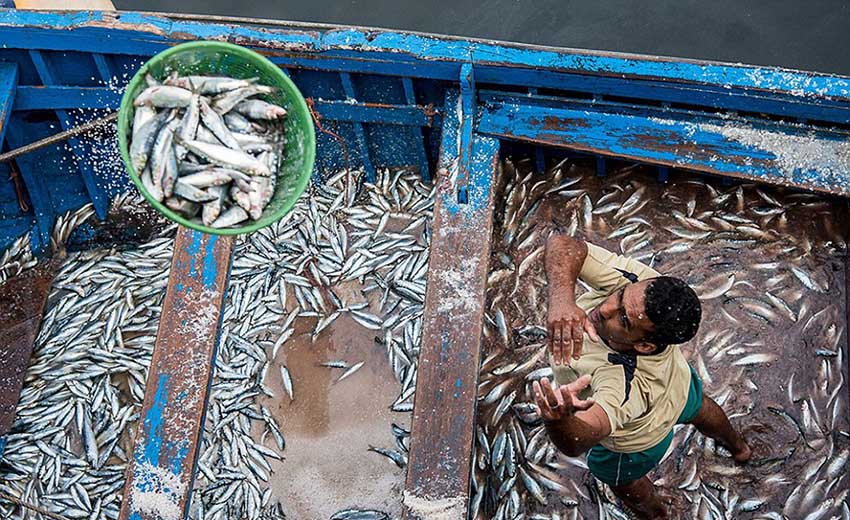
pixel 641 498
pixel 712 421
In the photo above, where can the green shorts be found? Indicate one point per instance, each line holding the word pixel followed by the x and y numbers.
pixel 618 469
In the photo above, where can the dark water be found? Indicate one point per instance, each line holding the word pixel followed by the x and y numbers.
pixel 802 35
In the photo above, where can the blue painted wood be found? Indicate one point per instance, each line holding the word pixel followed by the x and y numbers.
pixel 410 98
pixel 176 394
pixel 8 89
pixel 99 197
pixel 663 174
pixel 59 97
pixel 36 185
pixel 601 167
pixel 359 134
pixel 62 97
pixel 447 382
pixel 467 122
pixel 769 90
pixel 104 70
pixel 770 152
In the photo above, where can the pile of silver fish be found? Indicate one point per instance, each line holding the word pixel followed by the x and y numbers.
pixel 208 147
pixel 68 449
pixel 288 272
pixel 768 265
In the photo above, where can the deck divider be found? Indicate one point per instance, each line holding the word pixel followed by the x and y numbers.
pixel 161 472
pixel 444 412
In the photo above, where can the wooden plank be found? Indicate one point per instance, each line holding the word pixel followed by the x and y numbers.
pixel 468 105
pixel 77 5
pixel 160 474
pixel 359 132
pixel 769 90
pixel 768 151
pixel 410 98
pixel 23 298
pixel 443 424
pixel 98 195
pixel 59 97
pixel 39 196
pixel 8 89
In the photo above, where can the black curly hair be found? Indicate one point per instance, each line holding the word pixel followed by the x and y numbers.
pixel 674 309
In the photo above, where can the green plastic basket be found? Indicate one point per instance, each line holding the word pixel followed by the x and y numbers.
pixel 218 58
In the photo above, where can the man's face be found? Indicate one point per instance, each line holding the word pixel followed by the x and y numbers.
pixel 621 320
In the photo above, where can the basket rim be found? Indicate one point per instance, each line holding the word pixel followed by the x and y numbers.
pixel 292 92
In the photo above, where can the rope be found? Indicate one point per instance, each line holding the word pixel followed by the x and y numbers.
pixel 317 121
pixel 37 509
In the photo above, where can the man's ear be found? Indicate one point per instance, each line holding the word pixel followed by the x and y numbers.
pixel 645 348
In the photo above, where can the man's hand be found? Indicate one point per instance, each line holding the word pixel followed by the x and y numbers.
pixel 556 403
pixel 567 325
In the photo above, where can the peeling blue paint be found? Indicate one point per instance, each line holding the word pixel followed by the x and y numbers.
pixel 210 262
pixel 152 424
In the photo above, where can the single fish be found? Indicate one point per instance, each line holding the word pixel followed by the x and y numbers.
pixel 227 157
pixel 258 109
pixel 232 216
pixel 287 382
pixel 209 85
pixel 214 122
pixel 224 103
pixel 354 368
pixel 164 96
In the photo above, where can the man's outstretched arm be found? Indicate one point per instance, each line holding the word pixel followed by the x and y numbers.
pixel 574 425
pixel 567 323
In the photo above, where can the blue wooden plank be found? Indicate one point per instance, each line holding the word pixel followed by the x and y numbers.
pixel 104 70
pixel 447 383
pixel 8 89
pixel 418 136
pixel 39 196
pixel 762 89
pixel 467 121
pixel 60 97
pixel 539 157
pixel 99 197
pixel 601 167
pixel 771 152
pixel 172 419
pixel 359 134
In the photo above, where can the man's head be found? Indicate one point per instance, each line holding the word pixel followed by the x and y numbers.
pixel 648 315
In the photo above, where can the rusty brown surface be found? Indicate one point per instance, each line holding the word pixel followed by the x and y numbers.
pixel 160 474
pixel 23 298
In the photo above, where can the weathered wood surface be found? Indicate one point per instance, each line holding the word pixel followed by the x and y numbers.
pixel 766 151
pixel 161 472
pixel 447 382
pixel 22 300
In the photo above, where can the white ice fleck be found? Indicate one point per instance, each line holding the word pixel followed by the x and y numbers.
pixel 424 508
pixel 157 492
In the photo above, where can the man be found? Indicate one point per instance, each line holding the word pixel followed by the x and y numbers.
pixel 622 383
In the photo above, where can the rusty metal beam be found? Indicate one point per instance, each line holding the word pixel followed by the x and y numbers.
pixel 444 411
pixel 160 474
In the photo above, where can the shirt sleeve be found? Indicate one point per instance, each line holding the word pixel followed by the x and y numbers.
pixel 609 392
pixel 606 272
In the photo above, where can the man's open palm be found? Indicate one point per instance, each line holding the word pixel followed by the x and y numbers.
pixel 557 402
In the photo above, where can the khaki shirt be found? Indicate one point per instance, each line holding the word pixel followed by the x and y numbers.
pixel 642 396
